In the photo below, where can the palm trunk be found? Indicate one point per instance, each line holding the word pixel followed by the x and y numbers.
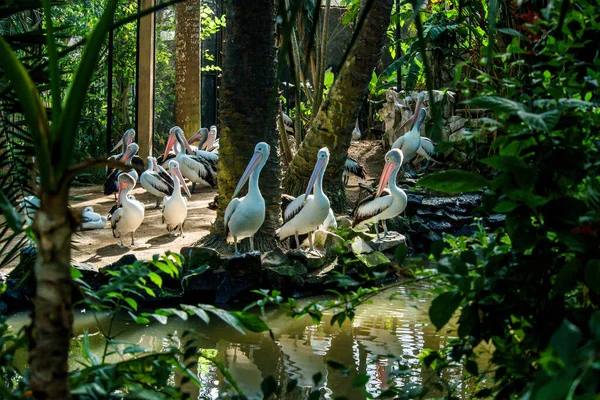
pixel 53 309
pixel 187 66
pixel 248 110
pixel 332 126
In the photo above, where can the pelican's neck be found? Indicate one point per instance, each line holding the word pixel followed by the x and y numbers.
pixel 150 166
pixel 318 188
pixel 176 187
pixel 125 201
pixel 253 189
pixel 394 189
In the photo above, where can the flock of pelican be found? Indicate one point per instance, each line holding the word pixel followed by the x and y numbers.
pixel 165 179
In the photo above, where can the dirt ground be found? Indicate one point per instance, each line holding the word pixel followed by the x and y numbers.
pixel 101 248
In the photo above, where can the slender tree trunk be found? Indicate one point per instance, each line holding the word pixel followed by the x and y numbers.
pixel 248 107
pixel 332 127
pixel 187 66
pixel 53 310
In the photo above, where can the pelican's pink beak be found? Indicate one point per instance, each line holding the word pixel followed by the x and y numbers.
pixel 126 155
pixel 318 167
pixel 177 172
pixel 385 176
pixel 252 165
pixel 170 144
pixel 195 137
pixel 119 144
pixel 415 115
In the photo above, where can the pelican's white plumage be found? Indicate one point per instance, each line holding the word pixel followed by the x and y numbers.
pixel 356 131
pixel 175 206
pixel 384 204
pixel 128 218
pixel 410 142
pixel 156 183
pixel 245 216
pixel 92 220
pixel 307 212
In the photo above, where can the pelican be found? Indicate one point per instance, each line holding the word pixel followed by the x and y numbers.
pixel 410 142
pixel 307 212
pixel 92 220
pixel 111 183
pixel 351 166
pixel 427 151
pixel 288 124
pixel 125 141
pixel 356 131
pixel 156 183
pixel 385 204
pixel 175 206
pixel 207 140
pixel 130 215
pixel 197 169
pixel 245 216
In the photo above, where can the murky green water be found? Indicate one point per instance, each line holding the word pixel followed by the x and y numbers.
pixel 398 326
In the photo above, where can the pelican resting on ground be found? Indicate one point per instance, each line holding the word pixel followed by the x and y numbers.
pixel 197 168
pixel 127 218
pixel 111 183
pixel 384 204
pixel 175 206
pixel 92 220
pixel 245 216
pixel 352 167
pixel 158 183
pixel 356 131
pixel 308 211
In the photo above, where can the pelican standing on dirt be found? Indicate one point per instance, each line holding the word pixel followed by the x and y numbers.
pixel 308 211
pixel 175 206
pixel 196 168
pixel 156 183
pixel 129 217
pixel 245 216
pixel 384 204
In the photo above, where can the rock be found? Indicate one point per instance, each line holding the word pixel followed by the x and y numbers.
pixel 274 258
pixel 197 256
pixel 3 308
pixel 310 261
pixel 207 280
pixel 439 226
pixel 374 259
pixel 457 136
pixel 496 219
pixel 360 246
pixel 389 242
pixel 232 286
pixel 92 275
pixel 414 199
pixel 325 240
pixel 247 262
pixel 127 259
pixel 469 200
pixel 343 221
pixel 457 124
pixel 285 278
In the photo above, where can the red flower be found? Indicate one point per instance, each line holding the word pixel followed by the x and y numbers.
pixel 529 17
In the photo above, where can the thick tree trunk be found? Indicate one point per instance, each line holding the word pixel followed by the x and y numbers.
pixel 53 310
pixel 187 66
pixel 248 112
pixel 332 127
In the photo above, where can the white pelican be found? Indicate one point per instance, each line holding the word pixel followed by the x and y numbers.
pixel 207 140
pixel 111 183
pixel 384 204
pixel 245 216
pixel 197 169
pixel 130 215
pixel 352 167
pixel 356 131
pixel 156 183
pixel 127 138
pixel 307 212
pixel 410 142
pixel 175 206
pixel 92 220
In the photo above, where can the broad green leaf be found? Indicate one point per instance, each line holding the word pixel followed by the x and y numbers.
pixel 496 104
pixel 160 318
pixel 506 163
pixel 76 274
pixel 226 316
pixel 543 122
pixel 595 325
pixel 400 254
pixel 155 278
pixel 454 181
pixel 200 313
pixel 592 275
pixel 135 350
pixel 132 303
pixel 510 31
pixel 11 216
pixel 565 341
pixel 250 321
pixel 443 308
pixel 328 80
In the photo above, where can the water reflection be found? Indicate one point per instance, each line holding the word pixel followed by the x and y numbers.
pixel 384 334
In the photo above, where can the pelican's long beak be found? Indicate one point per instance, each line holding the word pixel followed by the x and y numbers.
pixel 177 172
pixel 318 167
pixel 170 144
pixel 187 145
pixel 385 176
pixel 252 165
pixel 209 142
pixel 195 137
pixel 119 144
pixel 415 117
pixel 126 155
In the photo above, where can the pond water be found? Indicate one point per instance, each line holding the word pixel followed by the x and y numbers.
pixel 397 326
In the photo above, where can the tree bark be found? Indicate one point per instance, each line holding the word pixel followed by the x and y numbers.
pixel 53 311
pixel 187 66
pixel 332 127
pixel 248 106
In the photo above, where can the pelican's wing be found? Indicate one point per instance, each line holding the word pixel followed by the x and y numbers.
pixel 202 167
pixel 352 166
pixel 165 162
pixel 231 207
pixel 427 149
pixel 166 177
pixel 110 185
pixel 371 206
pixel 114 220
pixel 398 143
pixel 209 158
pixel 293 208
pixel 329 221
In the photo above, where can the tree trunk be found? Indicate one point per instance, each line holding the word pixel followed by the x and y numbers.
pixel 248 112
pixel 53 310
pixel 187 66
pixel 332 127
